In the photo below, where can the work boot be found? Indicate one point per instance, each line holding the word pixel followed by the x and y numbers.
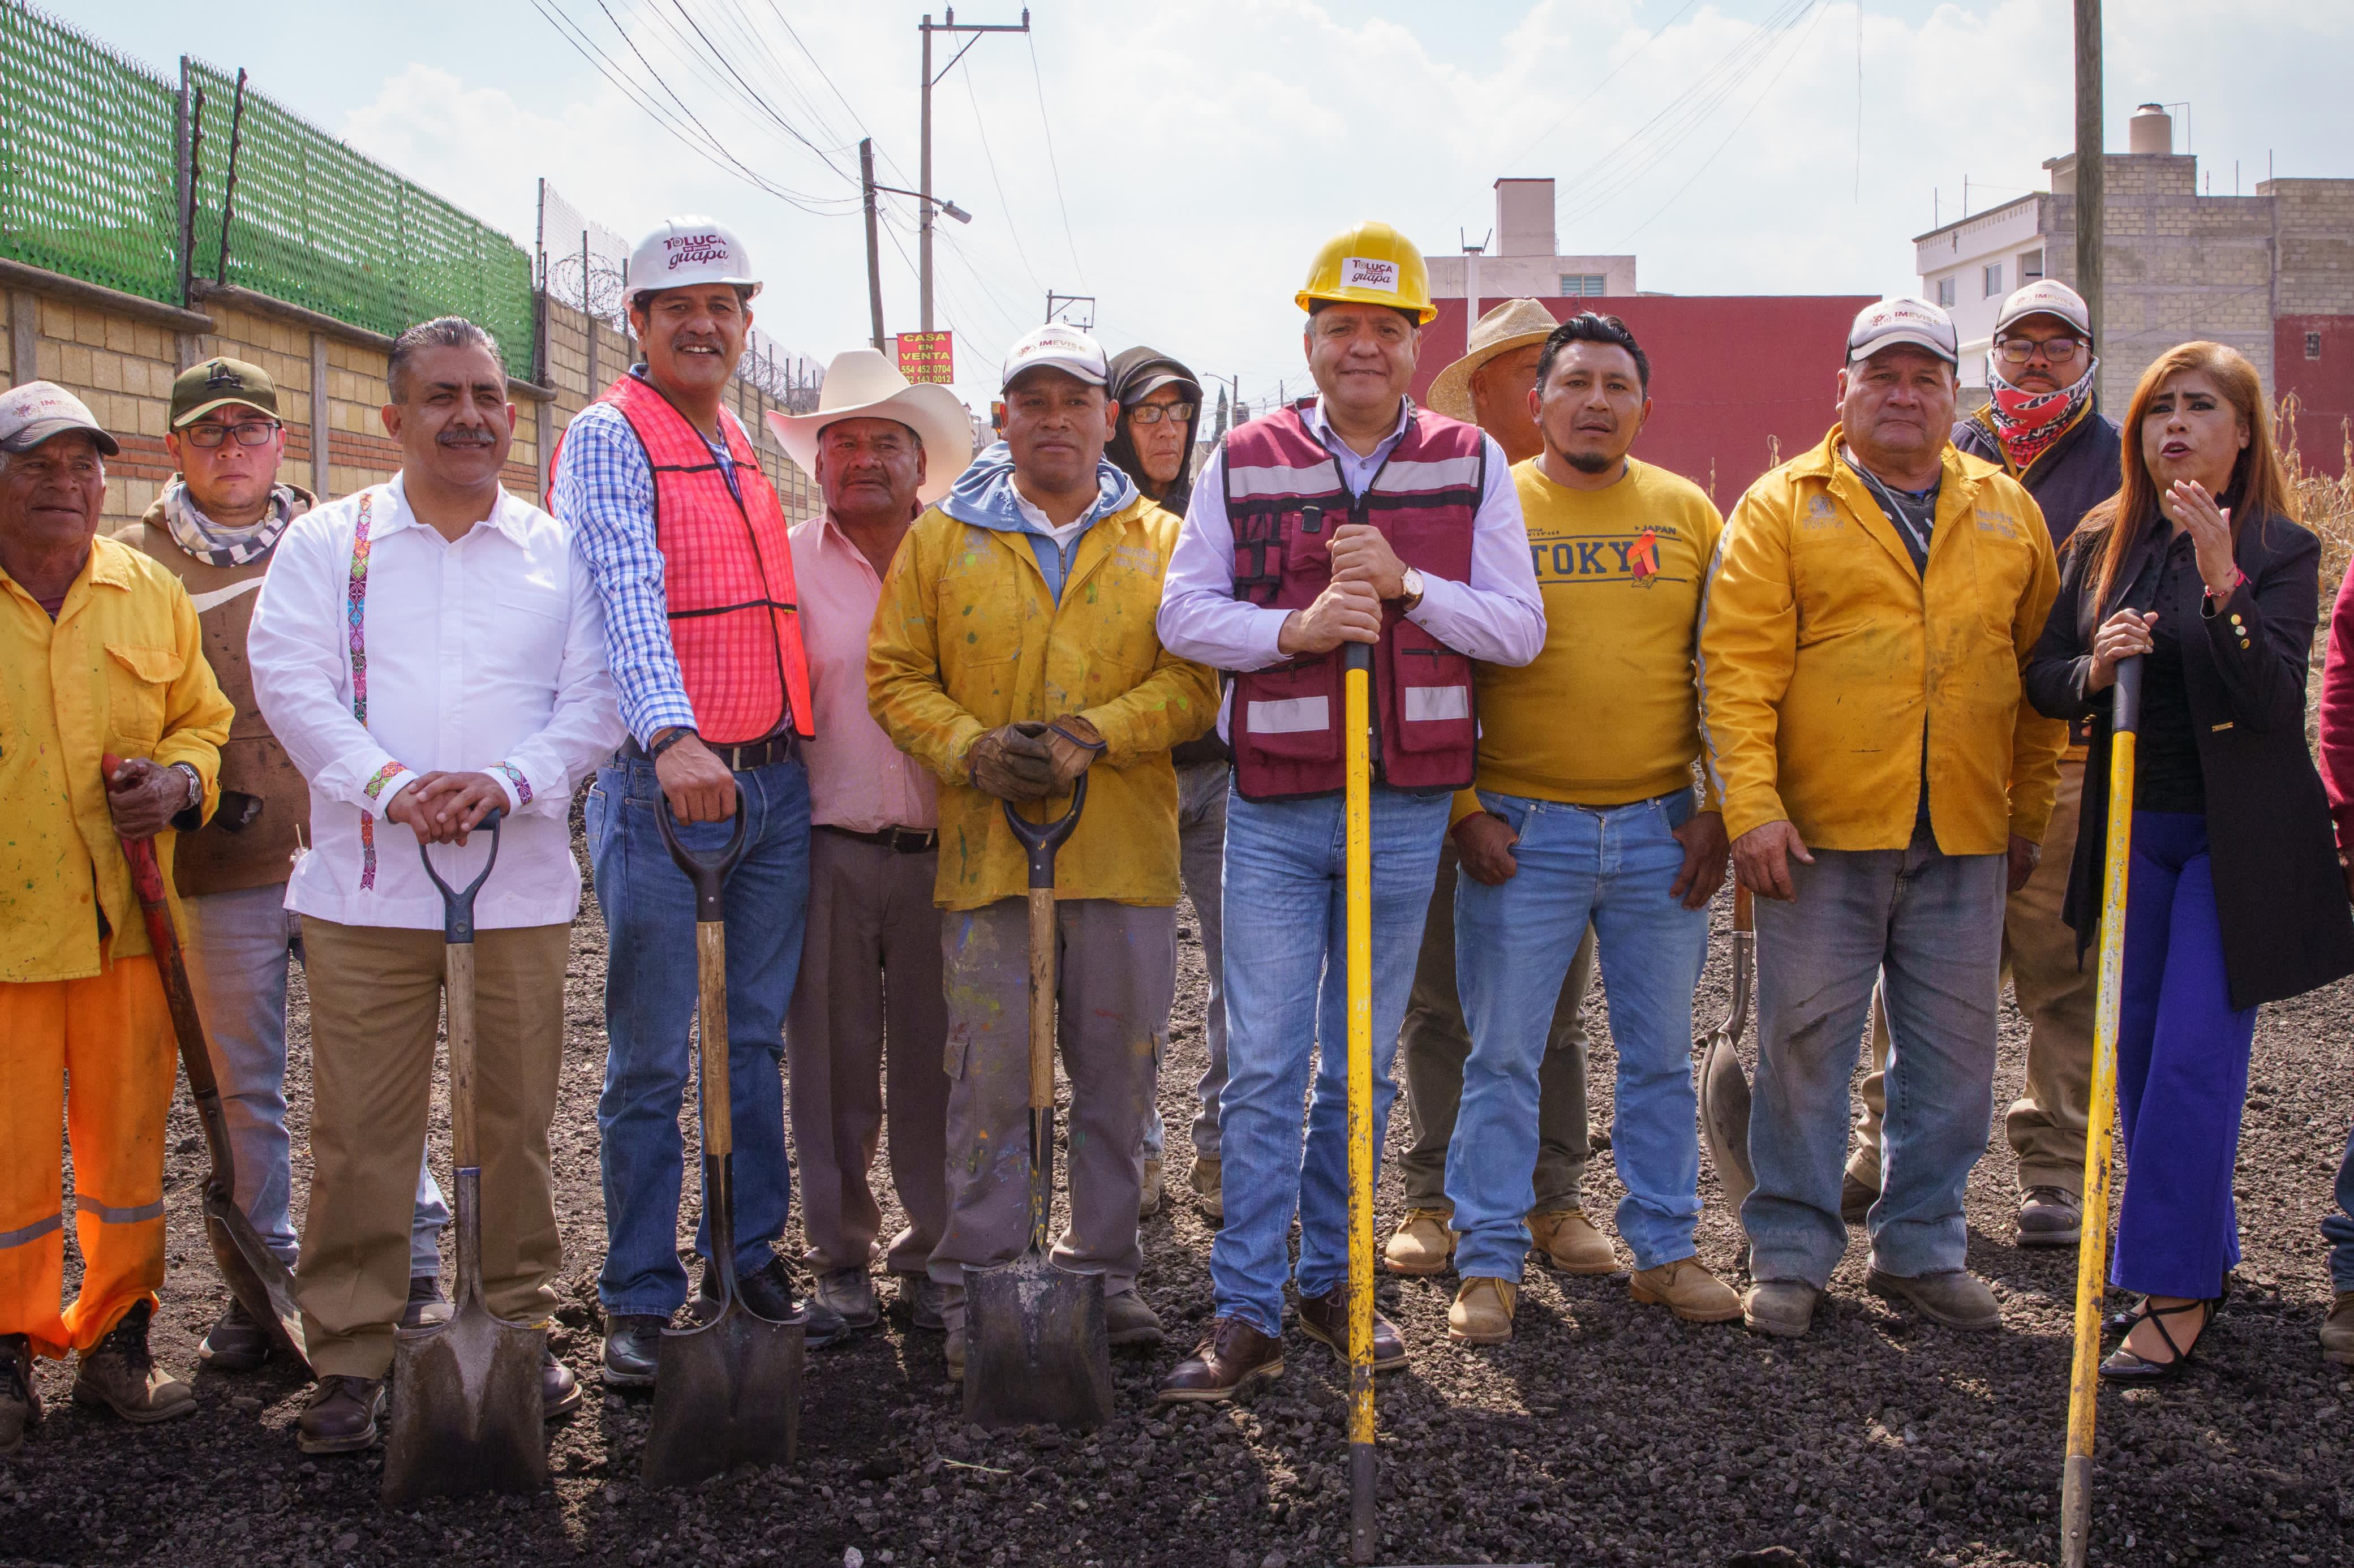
pixel 769 1292
pixel 923 1301
pixel 1782 1307
pixel 426 1304
pixel 560 1389
pixel 235 1343
pixel 849 1295
pixel 341 1416
pixel 1231 1357
pixel 1148 1200
pixel 119 1373
pixel 1856 1198
pixel 1326 1319
pixel 1687 1289
pixel 1422 1245
pixel 1483 1313
pixel 632 1346
pixel 1204 1182
pixel 1566 1240
pixel 2049 1216
pixel 1128 1322
pixel 955 1355
pixel 20 1404
pixel 2337 1339
pixel 1953 1296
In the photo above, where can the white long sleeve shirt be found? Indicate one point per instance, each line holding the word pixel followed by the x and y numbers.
pixel 487 655
pixel 1497 616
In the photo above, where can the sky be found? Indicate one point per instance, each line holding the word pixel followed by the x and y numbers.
pixel 1181 161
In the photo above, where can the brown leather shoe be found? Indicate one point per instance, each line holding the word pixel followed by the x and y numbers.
pixel 2337 1330
pixel 1326 1318
pixel 341 1416
pixel 20 1404
pixel 1423 1244
pixel 1566 1240
pixel 1686 1288
pixel 119 1373
pixel 1233 1356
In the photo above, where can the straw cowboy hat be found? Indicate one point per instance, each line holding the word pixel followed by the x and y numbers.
pixel 1515 323
pixel 862 385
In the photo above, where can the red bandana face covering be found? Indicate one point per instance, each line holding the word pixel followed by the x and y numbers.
pixel 2029 422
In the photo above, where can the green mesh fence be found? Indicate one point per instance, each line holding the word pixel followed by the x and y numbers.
pixel 314 223
pixel 86 182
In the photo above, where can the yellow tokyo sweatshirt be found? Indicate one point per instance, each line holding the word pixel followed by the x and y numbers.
pixel 1608 713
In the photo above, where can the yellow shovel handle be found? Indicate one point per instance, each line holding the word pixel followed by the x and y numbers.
pixel 1356 705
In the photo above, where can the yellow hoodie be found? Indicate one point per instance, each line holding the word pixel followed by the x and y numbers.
pixel 1824 655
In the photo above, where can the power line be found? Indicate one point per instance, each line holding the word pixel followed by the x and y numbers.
pixel 1004 206
pixel 1039 82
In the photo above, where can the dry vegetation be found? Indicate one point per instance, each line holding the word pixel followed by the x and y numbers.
pixel 2326 505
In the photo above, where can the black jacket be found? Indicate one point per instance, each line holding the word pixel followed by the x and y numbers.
pixel 2076 475
pixel 2279 895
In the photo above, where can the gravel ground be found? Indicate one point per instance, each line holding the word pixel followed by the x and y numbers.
pixel 1607 1432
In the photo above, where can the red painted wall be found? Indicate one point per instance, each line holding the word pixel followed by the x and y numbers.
pixel 2324 387
pixel 1729 374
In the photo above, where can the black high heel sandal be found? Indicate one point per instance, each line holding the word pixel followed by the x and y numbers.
pixel 2126 1366
pixel 2118 1325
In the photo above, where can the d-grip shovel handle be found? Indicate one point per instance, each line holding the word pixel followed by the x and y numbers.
pixel 1042 840
pixel 457 903
pixel 458 989
pixel 708 875
pixel 712 1090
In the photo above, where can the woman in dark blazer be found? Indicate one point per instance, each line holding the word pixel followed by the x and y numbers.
pixel 2234 898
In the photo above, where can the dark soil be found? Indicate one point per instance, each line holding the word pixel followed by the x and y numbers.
pixel 1607 1432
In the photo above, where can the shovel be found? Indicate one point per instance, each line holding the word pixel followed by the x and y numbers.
pixel 1356 706
pixel 2092 1244
pixel 1724 1085
pixel 1035 1349
pixel 254 1276
pixel 466 1408
pixel 727 1390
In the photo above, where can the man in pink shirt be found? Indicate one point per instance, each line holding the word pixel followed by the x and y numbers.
pixel 881 451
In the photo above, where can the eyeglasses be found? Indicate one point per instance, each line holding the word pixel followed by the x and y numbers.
pixel 2020 350
pixel 1153 413
pixel 251 433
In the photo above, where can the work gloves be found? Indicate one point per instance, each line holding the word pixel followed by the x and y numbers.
pixel 1014 762
pixel 1075 744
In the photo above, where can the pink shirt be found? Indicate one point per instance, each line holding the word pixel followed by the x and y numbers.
pixel 857 778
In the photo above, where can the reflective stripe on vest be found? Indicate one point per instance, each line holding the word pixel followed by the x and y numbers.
pixel 727 573
pixel 1284 498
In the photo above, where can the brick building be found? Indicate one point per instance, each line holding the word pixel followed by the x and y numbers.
pixel 2271 274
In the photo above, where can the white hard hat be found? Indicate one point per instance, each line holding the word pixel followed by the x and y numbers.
pixel 690 249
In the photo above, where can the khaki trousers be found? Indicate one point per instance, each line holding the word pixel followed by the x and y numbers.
pixel 376 1004
pixel 1434 1041
pixel 1116 979
pixel 2047 1122
pixel 869 975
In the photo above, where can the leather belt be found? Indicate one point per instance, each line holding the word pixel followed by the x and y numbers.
pixel 906 840
pixel 741 759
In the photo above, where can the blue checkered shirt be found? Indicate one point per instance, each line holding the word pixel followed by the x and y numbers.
pixel 604 492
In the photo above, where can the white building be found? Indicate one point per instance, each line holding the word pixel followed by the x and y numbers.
pixel 1523 260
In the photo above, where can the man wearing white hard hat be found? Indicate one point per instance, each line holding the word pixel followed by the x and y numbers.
pixel 1015 651
pixel 2044 424
pixel 1869 609
pixel 870 977
pixel 687 543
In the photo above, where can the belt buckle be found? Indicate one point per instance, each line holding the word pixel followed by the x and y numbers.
pixel 906 840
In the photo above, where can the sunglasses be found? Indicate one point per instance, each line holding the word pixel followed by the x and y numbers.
pixel 1153 413
pixel 251 433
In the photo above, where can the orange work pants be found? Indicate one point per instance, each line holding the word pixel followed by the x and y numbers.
pixel 100 1052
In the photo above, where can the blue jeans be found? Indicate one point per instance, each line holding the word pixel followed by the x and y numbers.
pixel 1933 923
pixel 1612 865
pixel 1287 995
pixel 237 945
pixel 2338 1227
pixel 650 996
pixel 2183 1069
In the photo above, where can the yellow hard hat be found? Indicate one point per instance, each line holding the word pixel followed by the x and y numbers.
pixel 1372 264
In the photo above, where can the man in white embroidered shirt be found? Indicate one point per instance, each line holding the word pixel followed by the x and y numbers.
pixel 428 650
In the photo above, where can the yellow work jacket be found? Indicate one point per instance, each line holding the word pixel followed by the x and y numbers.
pixel 120 669
pixel 1825 657
pixel 968 637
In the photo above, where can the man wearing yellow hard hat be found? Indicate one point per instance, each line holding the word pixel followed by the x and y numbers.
pixel 1351 517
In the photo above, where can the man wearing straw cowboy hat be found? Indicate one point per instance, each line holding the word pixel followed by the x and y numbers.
pixel 1490 387
pixel 882 450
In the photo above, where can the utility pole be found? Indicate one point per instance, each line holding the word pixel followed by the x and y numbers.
pixel 923 172
pixel 1063 307
pixel 2090 168
pixel 873 254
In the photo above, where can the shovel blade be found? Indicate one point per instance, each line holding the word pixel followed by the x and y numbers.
pixel 260 1284
pixel 726 1393
pixel 1724 1120
pixel 1035 1346
pixel 466 1409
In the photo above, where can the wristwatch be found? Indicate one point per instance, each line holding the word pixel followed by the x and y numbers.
pixel 1410 587
pixel 195 784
